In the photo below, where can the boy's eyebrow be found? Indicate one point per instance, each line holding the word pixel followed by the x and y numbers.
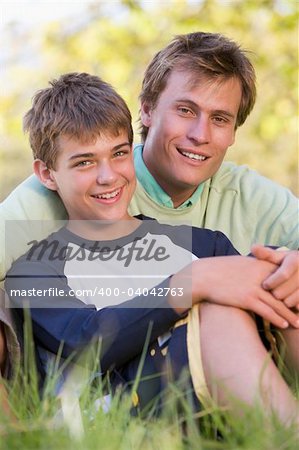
pixel 124 144
pixel 195 106
pixel 82 155
pixel 90 154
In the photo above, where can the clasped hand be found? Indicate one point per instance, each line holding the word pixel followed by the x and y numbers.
pixel 283 282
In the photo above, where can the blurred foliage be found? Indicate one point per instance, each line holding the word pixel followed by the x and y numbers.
pixel 116 40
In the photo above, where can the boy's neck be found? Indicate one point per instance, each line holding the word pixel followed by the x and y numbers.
pixel 103 230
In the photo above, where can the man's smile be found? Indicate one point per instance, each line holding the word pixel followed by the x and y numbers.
pixel 194 156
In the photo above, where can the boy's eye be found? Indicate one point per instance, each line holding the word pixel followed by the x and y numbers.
pixel 83 163
pixel 120 153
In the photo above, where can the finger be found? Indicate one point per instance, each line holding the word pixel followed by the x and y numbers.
pixel 288 267
pixel 286 289
pixel 280 308
pixel 267 313
pixel 292 300
pixel 267 254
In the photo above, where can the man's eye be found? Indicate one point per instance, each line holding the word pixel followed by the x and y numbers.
pixel 219 119
pixel 184 110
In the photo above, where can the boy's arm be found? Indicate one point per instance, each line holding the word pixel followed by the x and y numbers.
pixel 235 281
pixel 258 300
pixel 121 329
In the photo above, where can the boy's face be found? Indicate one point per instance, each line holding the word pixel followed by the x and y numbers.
pixel 190 129
pixel 95 181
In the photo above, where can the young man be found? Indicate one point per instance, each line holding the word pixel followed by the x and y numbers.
pixel 195 93
pixel 110 277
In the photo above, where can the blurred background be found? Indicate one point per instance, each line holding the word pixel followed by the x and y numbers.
pixel 116 40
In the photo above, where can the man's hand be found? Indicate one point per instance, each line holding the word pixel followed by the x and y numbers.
pixel 284 281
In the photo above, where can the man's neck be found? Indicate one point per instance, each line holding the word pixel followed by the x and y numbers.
pixel 178 195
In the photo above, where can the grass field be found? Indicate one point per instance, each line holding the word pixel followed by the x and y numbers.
pixel 75 420
pixel 43 425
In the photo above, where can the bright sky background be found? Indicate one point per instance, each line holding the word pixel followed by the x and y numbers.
pixel 35 12
pixel 30 12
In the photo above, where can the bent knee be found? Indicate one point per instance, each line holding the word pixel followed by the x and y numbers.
pixel 212 313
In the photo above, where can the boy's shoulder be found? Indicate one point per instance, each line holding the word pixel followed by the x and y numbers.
pixel 47 251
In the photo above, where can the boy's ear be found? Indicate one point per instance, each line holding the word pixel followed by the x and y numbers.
pixel 44 174
pixel 146 114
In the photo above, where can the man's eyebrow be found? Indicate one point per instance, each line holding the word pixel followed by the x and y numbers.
pixel 187 101
pixel 194 105
pixel 223 112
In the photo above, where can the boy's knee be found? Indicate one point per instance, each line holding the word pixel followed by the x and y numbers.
pixel 222 314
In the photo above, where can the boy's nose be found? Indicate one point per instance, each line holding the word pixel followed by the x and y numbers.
pixel 106 174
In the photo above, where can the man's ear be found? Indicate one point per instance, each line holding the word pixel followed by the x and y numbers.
pixel 44 174
pixel 233 138
pixel 146 114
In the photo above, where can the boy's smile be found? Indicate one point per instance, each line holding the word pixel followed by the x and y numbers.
pixel 95 181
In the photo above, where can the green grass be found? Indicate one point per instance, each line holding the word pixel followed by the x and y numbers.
pixel 73 421
pixel 41 424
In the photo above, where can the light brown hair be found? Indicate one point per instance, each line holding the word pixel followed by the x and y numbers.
pixel 203 55
pixel 78 105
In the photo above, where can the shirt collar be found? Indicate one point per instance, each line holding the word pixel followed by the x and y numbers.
pixel 151 186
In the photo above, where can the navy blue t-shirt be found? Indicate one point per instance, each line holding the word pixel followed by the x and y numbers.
pixel 82 291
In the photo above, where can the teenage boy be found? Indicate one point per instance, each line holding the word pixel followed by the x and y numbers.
pixel 196 92
pixel 81 136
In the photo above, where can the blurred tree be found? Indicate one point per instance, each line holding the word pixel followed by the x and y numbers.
pixel 116 40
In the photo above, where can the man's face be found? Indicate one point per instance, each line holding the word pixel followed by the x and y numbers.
pixel 190 129
pixel 95 181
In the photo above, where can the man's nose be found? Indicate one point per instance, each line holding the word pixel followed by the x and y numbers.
pixel 199 130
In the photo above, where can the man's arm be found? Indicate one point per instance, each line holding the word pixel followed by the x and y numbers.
pixel 30 212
